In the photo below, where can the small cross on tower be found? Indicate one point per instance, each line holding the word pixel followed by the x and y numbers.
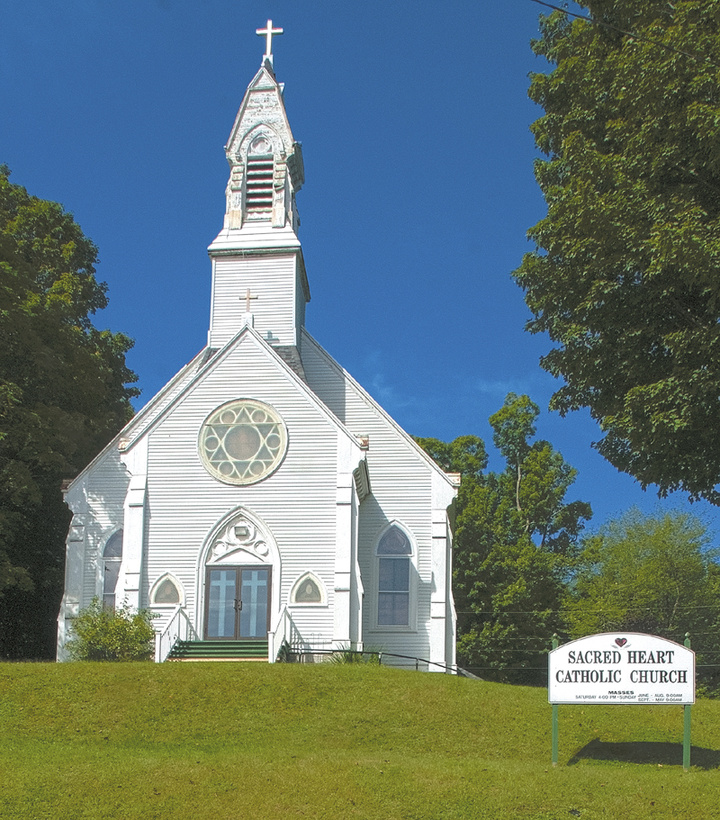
pixel 268 32
pixel 247 299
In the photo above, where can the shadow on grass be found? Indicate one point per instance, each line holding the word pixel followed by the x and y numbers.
pixel 665 754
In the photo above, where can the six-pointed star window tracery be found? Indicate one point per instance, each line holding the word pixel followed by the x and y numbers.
pixel 242 441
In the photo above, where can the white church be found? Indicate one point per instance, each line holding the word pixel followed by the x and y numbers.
pixel 262 502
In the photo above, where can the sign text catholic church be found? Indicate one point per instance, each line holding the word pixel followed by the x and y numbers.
pixel 622 668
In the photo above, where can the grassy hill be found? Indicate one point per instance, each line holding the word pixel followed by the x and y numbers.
pixel 226 741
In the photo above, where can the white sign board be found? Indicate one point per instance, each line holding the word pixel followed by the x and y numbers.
pixel 621 667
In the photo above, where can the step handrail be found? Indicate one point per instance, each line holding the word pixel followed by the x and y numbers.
pixel 178 628
pixel 278 633
pixel 282 631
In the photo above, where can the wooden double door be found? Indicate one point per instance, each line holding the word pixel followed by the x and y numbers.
pixel 237 603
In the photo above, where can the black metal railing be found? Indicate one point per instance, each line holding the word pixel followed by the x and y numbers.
pixel 379 654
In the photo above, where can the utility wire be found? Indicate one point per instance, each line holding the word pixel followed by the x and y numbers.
pixel 639 37
pixel 648 608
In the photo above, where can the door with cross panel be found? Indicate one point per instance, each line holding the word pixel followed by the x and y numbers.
pixel 237 603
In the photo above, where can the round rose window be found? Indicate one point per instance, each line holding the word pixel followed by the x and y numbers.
pixel 242 441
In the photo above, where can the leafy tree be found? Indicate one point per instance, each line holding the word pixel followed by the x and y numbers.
pixel 102 634
pixel 652 574
pixel 63 395
pixel 625 278
pixel 465 455
pixel 514 540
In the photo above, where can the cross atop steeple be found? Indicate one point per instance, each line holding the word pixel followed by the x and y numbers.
pixel 268 32
pixel 257 250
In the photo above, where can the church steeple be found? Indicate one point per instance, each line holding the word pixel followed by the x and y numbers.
pixel 266 166
pixel 258 246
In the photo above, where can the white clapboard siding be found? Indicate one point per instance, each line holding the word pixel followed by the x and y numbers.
pixel 274 280
pixel 297 503
pixel 97 502
pixel 172 505
pixel 302 297
pixel 401 481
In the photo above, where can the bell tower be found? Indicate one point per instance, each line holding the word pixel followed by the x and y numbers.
pixel 257 255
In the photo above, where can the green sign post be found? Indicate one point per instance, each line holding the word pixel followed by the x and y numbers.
pixel 555 726
pixel 687 721
pixel 622 667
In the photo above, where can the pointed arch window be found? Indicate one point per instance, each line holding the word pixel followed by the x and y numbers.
pixel 308 589
pixel 394 565
pixel 166 592
pixel 112 558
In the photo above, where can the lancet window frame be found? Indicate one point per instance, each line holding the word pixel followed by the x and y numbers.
pixel 297 588
pixel 395 575
pixel 167 578
pixel 259 188
pixel 111 562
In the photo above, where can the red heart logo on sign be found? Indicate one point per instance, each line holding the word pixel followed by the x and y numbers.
pixel 621 641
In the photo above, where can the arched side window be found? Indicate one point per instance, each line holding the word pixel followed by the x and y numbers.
pixel 308 590
pixel 112 558
pixel 167 591
pixel 394 565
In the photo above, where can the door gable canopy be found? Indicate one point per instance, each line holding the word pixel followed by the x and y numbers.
pixel 240 537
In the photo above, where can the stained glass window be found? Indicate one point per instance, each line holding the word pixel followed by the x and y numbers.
pixel 166 593
pixel 306 591
pixel 242 441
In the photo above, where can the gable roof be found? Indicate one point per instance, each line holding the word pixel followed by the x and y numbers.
pixel 375 407
pixel 205 362
pixel 249 332
pixel 147 414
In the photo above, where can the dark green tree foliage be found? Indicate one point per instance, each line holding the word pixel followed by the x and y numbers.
pixel 626 275
pixel 652 574
pixel 63 395
pixel 514 540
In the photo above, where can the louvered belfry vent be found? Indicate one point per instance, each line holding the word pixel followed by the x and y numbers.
pixel 259 190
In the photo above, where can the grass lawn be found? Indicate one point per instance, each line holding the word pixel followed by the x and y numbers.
pixel 226 741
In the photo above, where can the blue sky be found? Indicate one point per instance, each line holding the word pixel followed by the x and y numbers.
pixel 419 190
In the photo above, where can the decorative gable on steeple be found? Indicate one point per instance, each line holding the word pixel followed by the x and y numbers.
pixel 266 166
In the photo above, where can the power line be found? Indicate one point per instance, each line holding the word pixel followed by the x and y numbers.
pixel 536 612
pixel 639 37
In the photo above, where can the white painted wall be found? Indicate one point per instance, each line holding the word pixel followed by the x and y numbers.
pixel 96 501
pixel 406 489
pixel 297 502
pixel 274 280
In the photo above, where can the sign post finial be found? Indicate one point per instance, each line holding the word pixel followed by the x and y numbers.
pixel 268 32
